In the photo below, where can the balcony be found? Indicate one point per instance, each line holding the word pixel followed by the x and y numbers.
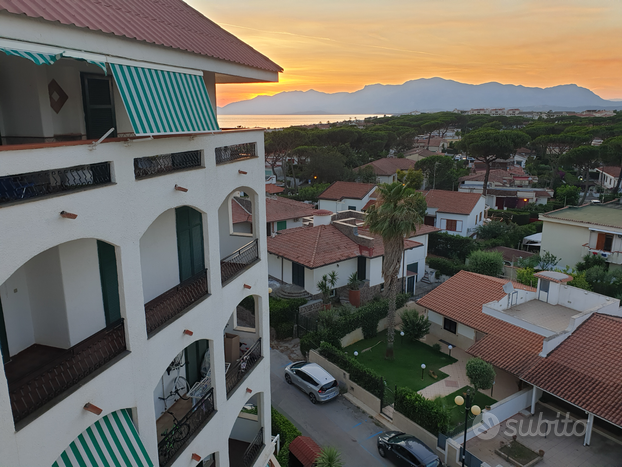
pixel 175 301
pixel 176 436
pixel 235 152
pixel 146 167
pixel 33 185
pixel 40 374
pixel 238 261
pixel 242 367
pixel 245 454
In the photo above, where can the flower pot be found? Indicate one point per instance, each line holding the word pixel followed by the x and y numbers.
pixel 327 306
pixel 354 297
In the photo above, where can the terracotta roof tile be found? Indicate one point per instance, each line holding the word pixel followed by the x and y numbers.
pixel 610 170
pixel 389 165
pixel 170 23
pixel 453 202
pixel 239 213
pixel 274 189
pixel 340 190
pixel 305 449
pixel 280 209
pixel 586 368
pixel 425 230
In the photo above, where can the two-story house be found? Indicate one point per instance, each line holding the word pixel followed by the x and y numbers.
pixel 454 212
pixel 121 271
pixel 386 168
pixel 574 231
pixel 344 196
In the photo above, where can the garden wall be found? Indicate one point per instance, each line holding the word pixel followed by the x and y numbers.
pixel 312 306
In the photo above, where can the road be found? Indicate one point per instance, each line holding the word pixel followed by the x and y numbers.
pixel 336 423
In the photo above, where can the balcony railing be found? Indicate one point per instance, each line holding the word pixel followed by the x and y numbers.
pixel 238 261
pixel 171 303
pixel 235 152
pixel 181 433
pixel 253 450
pixel 41 386
pixel 243 366
pixel 28 186
pixel 166 163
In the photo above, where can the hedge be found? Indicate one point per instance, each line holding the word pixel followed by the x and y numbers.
pixel 451 246
pixel 424 412
pixel 447 267
pixel 287 431
pixel 366 378
pixel 283 315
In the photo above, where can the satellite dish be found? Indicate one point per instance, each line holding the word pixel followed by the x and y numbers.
pixel 508 288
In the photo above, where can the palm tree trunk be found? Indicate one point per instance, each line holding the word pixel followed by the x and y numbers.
pixel 391 319
pixel 586 175
pixel 393 249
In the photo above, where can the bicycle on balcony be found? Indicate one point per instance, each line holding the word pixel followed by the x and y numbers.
pixel 173 437
pixel 180 384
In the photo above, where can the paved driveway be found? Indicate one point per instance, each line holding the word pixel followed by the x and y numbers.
pixel 336 423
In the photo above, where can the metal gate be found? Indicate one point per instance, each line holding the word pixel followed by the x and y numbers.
pixel 470 460
pixel 388 401
pixel 305 324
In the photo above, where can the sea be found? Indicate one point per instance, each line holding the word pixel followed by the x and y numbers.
pixel 284 121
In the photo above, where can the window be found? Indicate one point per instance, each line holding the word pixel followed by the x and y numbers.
pixel 604 242
pixel 450 325
pixel 452 225
pixel 352 208
pixel 98 106
pixel 281 225
pixel 429 220
pixel 480 216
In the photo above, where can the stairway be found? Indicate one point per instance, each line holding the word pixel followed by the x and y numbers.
pixel 290 291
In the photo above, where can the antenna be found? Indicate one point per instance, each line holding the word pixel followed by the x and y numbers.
pixel 508 288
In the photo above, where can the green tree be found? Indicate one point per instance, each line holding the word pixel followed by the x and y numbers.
pixel 326 285
pixel 325 165
pixel 553 146
pixel 480 373
pixel 612 155
pixel 415 326
pixel 396 214
pixel 567 194
pixel 441 172
pixel 526 277
pixel 488 145
pixel 589 261
pixel 329 457
pixel 366 174
pixel 411 178
pixel 489 263
pixel 583 158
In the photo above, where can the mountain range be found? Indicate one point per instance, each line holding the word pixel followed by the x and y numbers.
pixel 426 95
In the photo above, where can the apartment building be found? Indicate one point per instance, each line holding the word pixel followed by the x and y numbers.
pixel 121 272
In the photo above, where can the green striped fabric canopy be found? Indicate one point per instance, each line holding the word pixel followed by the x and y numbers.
pixel 110 442
pixel 162 102
pixel 38 57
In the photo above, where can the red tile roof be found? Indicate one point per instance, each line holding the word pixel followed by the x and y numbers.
pixel 495 176
pixel 238 213
pixel 340 190
pixel 610 170
pixel 453 202
pixel 170 23
pixel 274 189
pixel 389 165
pixel 280 209
pixel 461 298
pixel 586 368
pixel 425 229
pixel 305 449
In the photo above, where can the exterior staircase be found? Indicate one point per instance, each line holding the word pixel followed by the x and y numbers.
pixel 290 291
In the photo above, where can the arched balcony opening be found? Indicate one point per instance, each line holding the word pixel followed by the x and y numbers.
pixel 60 321
pixel 246 441
pixel 173 259
pixel 239 249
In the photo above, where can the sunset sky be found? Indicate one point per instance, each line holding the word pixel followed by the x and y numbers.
pixel 342 45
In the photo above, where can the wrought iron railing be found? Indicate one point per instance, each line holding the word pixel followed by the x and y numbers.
pixel 165 307
pixel 238 261
pixel 32 185
pixel 166 163
pixel 235 152
pixel 181 433
pixel 253 450
pixel 243 366
pixel 41 386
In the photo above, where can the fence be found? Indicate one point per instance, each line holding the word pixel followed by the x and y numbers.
pixel 166 163
pixel 238 261
pixel 235 152
pixel 242 367
pixel 253 450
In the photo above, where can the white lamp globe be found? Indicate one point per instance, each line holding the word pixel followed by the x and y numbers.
pixel 356 354
pixel 459 400
pixel 475 410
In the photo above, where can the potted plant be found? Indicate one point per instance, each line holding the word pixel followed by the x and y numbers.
pixel 326 287
pixel 354 294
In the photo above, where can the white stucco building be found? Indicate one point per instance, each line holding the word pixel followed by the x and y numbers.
pixel 347 196
pixel 121 271
pixel 454 212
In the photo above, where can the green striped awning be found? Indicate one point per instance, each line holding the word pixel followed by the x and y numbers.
pixel 38 57
pixel 111 441
pixel 161 102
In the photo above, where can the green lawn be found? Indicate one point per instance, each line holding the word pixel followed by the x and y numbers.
pixel 457 411
pixel 405 369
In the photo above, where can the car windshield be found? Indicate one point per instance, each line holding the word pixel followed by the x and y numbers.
pixel 298 365
pixel 434 463
pixel 399 438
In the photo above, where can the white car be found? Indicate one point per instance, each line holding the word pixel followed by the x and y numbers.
pixel 313 380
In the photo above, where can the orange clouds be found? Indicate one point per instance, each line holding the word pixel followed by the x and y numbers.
pixel 334 46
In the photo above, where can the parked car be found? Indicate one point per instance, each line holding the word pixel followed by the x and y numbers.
pixel 406 450
pixel 313 380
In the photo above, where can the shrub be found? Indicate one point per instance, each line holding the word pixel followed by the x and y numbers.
pixel 329 457
pixel 401 300
pixel 525 277
pixel 447 267
pixel 284 330
pixel 589 261
pixel 480 373
pixel 436 347
pixel 283 315
pixel 414 325
pixel 366 378
pixel 489 263
pixel 451 246
pixel 287 431
pixel 309 341
pixel 424 412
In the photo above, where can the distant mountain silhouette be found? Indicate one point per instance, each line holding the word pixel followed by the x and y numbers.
pixel 427 95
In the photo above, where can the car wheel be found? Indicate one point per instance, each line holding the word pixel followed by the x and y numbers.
pixel 382 452
pixel 312 398
pixel 288 379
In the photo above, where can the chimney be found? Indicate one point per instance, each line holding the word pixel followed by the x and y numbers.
pixel 321 217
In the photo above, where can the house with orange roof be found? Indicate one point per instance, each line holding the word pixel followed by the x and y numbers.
pixel 387 167
pixel 454 212
pixel 343 196
pixel 608 176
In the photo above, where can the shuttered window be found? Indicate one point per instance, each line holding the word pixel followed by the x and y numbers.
pixel 98 105
pixel 109 281
pixel 452 225
pixel 189 224
pixel 194 358
pixel 281 225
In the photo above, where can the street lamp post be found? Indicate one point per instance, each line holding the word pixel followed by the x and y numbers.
pixel 422 370
pixel 474 409
pixel 450 347
pixel 402 339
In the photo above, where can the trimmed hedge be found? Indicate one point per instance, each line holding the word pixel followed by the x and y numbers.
pixel 283 315
pixel 366 378
pixel 288 432
pixel 447 267
pixel 424 412
pixel 451 246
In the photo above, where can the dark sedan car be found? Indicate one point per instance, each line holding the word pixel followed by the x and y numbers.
pixel 406 450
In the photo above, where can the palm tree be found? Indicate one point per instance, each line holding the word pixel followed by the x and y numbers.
pixel 329 457
pixel 396 215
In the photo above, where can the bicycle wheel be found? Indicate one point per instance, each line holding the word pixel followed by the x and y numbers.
pixel 181 387
pixel 181 432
